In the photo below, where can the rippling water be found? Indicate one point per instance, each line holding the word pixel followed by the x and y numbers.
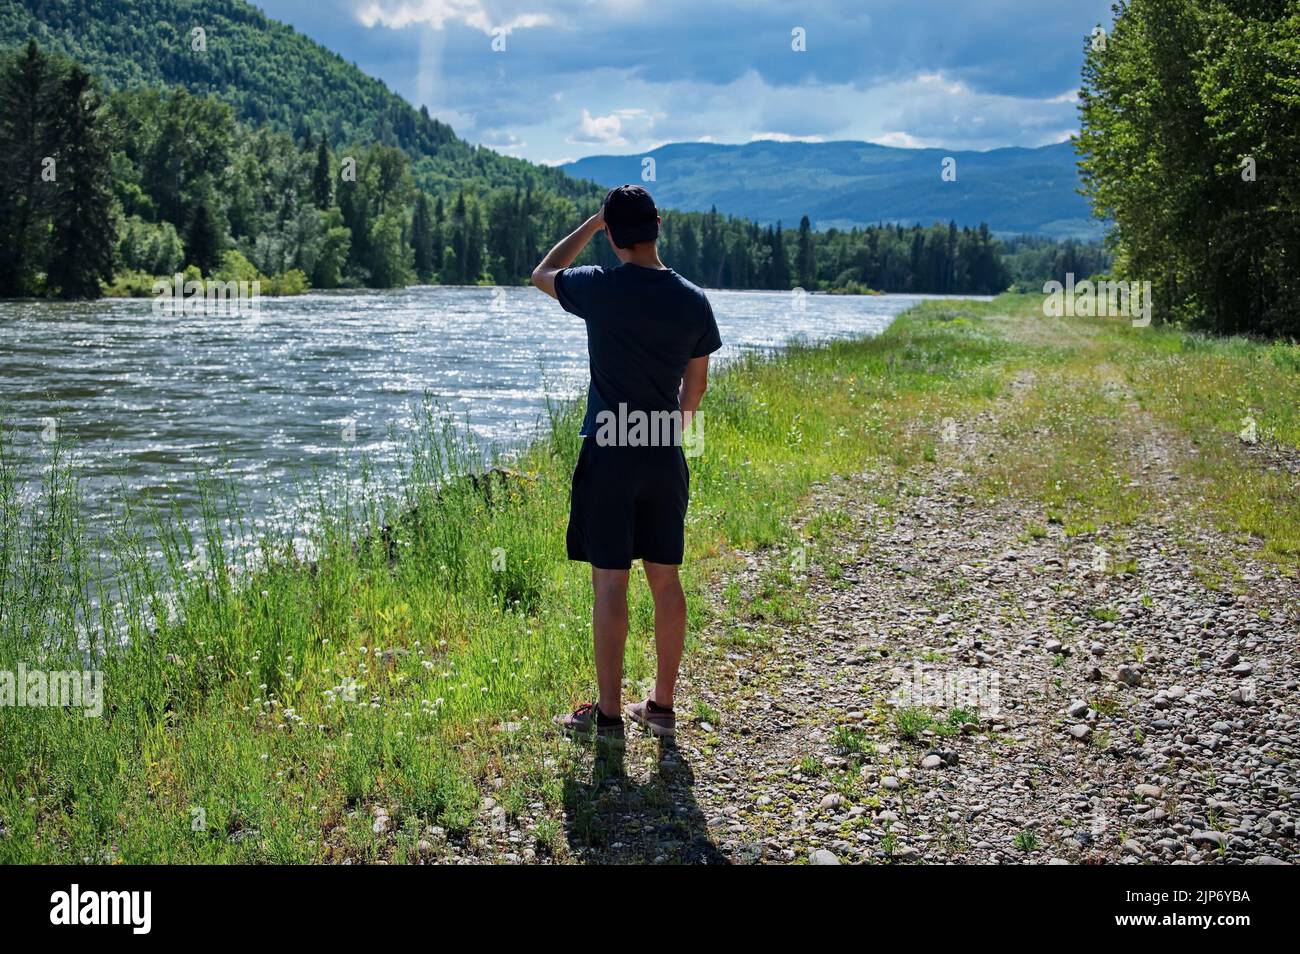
pixel 151 401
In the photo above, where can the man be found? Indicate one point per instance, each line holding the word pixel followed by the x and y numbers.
pixel 649 336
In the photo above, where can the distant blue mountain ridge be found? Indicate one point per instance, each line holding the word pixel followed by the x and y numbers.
pixel 843 184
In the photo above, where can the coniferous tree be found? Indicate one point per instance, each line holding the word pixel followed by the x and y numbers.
pixel 203 240
pixel 84 229
pixel 686 255
pixel 422 239
pixel 322 183
pixel 474 246
pixel 807 258
pixel 25 197
pixel 780 271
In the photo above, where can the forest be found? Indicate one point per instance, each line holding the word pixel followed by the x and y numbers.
pixel 103 191
pixel 1190 143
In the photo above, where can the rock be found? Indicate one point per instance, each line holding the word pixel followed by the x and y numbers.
pixel 906 853
pixel 1094 675
pixel 1216 838
pixel 1081 731
pixel 932 762
pixel 832 801
pixel 823 857
pixel 1078 709
pixel 1133 847
pixel 890 783
pixel 1129 675
pixel 1148 791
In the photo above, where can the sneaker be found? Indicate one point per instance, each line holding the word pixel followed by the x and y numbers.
pixel 583 722
pixel 658 720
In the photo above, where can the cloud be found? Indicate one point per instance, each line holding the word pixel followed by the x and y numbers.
pixel 950 73
pixel 778 137
pixel 602 129
pixel 609 130
pixel 436 14
pixel 900 139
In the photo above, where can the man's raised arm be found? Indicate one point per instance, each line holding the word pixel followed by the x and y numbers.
pixel 565 251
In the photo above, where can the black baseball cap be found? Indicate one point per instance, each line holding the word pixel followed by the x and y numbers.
pixel 630 216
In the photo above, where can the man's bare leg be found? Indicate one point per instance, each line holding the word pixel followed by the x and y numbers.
pixel 609 629
pixel 670 628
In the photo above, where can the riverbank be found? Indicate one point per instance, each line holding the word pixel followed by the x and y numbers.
pixel 391 702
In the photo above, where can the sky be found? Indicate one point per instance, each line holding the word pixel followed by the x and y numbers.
pixel 556 80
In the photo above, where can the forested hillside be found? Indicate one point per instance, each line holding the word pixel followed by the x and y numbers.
pixel 132 147
pixel 269 73
pixel 860 183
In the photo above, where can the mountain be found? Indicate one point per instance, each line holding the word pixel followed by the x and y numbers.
pixel 843 184
pixel 269 73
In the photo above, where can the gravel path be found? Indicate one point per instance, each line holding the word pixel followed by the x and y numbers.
pixel 939 679
pixel 955 689
pixel 1105 717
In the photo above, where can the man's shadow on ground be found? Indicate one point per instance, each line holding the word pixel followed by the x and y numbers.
pixel 610 818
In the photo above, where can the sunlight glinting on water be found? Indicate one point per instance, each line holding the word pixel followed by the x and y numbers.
pixel 300 392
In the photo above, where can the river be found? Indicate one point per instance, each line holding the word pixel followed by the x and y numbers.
pixel 151 401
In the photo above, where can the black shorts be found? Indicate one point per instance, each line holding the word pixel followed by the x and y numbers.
pixel 628 503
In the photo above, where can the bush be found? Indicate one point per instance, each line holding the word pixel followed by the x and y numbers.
pixel 292 282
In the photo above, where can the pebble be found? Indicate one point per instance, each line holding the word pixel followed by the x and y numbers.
pixel 1216 838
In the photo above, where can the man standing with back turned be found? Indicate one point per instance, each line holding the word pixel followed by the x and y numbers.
pixel 649 336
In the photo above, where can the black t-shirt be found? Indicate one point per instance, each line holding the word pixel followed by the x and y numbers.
pixel 643 326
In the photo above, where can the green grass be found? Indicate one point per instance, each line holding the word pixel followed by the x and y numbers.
pixel 261 711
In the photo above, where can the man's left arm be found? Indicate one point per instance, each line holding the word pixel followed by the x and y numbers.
pixel 565 251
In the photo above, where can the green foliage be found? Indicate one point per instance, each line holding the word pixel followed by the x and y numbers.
pixel 1190 142
pixel 149 247
pixel 911 721
pixel 1033 261
pixel 57 220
